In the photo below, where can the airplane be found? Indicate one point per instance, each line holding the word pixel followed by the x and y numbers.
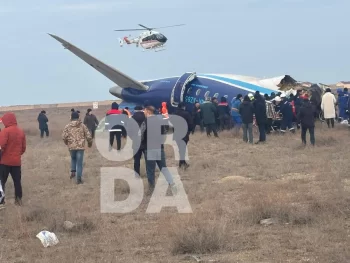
pixel 148 40
pixel 189 88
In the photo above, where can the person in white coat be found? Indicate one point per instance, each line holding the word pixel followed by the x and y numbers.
pixel 328 107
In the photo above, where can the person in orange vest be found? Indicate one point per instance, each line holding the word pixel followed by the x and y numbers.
pixel 164 111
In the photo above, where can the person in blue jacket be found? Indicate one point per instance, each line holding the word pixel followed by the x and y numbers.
pixel 343 98
pixel 287 115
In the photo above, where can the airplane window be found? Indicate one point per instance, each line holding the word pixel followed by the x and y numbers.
pixel 216 95
pixel 198 92
pixel 189 90
pixel 226 96
pixel 206 95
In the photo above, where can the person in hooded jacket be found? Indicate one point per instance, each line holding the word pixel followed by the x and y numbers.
pixel 224 112
pixel 246 110
pixel 139 117
pixel 260 116
pixel 306 116
pixel 188 118
pixel 43 127
pixel 74 135
pixel 91 122
pixel 114 123
pixel 12 147
pixel 236 117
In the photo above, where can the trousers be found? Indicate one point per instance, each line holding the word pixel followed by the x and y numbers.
pixel 77 160
pixel 247 132
pixel 118 136
pixel 16 174
pixel 312 134
pixel 44 131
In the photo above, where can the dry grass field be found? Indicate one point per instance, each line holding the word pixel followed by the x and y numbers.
pixel 306 191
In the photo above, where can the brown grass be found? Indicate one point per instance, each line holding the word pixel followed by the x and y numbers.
pixel 306 190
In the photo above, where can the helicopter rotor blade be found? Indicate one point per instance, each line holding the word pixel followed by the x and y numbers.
pixel 135 29
pixel 146 27
pixel 169 26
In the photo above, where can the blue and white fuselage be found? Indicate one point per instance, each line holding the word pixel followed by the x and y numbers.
pixel 188 88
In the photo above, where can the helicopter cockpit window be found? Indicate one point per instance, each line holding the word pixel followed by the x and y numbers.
pixel 198 92
pixel 160 37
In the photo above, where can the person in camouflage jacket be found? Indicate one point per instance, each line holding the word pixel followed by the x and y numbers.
pixel 74 135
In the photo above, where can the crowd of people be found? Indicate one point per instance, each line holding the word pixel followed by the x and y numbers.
pixel 274 112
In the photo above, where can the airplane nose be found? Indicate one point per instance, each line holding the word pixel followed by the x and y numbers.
pixel 116 91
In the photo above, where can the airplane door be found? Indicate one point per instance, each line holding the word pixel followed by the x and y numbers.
pixel 178 91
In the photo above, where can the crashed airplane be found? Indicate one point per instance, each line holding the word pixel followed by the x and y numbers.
pixel 188 88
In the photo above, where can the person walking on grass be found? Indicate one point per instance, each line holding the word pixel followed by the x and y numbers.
pixel 246 110
pixel 43 127
pixel 74 135
pixel 12 147
pixel 306 117
pixel 91 122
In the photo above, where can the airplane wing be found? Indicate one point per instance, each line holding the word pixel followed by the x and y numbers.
pixel 113 74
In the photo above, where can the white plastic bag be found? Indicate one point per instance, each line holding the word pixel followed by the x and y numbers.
pixel 47 238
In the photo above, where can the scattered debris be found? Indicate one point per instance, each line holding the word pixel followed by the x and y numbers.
pixel 193 257
pixel 47 238
pixel 267 222
pixel 68 225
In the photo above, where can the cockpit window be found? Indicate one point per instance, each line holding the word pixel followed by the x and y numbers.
pixel 160 37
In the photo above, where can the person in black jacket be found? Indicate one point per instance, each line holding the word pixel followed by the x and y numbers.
pixel 155 154
pixel 139 117
pixel 260 116
pixel 188 118
pixel 306 117
pixel 246 110
pixel 224 112
pixel 43 127
pixel 91 122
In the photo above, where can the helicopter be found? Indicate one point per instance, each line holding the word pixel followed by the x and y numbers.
pixel 148 40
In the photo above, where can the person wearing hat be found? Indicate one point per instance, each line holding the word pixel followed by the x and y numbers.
pixel 328 107
pixel 43 127
pixel 74 135
pixel 306 117
pixel 91 122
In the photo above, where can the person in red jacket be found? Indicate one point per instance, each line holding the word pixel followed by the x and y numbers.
pixel 13 146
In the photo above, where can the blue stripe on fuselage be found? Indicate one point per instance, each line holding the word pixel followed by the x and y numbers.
pixel 240 83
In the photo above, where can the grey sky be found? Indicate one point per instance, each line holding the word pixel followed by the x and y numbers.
pixel 307 39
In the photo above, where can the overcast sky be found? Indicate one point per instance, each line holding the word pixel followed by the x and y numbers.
pixel 307 39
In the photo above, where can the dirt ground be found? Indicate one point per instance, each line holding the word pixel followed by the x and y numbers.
pixel 304 190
